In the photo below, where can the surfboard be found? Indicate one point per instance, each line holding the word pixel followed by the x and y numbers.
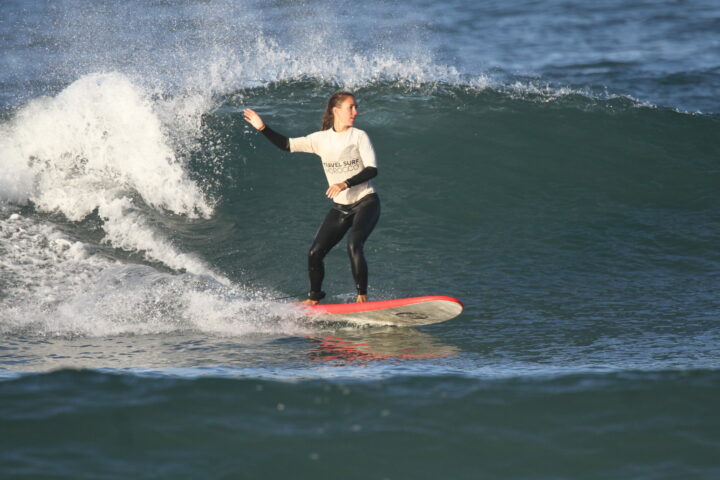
pixel 402 312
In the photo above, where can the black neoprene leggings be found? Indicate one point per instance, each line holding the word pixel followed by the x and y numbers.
pixel 362 217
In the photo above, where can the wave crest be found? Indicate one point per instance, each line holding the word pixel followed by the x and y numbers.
pixel 100 146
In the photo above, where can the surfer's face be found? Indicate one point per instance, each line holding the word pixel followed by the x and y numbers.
pixel 345 113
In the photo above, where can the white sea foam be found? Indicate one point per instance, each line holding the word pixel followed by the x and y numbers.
pixel 266 62
pixel 99 146
pixel 269 62
pixel 37 258
pixel 223 45
pixel 99 134
pixel 54 286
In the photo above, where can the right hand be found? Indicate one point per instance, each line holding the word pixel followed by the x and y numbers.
pixel 333 190
pixel 253 119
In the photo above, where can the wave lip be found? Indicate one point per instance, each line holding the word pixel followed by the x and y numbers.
pixel 98 136
pixel 100 146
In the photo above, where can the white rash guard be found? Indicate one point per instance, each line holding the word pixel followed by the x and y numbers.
pixel 343 155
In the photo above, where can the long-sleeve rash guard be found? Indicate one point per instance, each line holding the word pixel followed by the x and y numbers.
pixel 346 157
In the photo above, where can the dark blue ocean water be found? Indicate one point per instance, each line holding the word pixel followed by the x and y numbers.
pixel 553 164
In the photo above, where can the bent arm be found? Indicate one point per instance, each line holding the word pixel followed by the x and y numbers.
pixel 365 174
pixel 367 153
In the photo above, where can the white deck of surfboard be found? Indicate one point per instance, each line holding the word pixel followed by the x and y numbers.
pixel 423 313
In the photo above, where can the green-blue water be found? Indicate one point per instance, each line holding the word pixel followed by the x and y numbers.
pixel 630 425
pixel 552 164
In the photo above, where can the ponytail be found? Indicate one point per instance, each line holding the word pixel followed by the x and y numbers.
pixel 328 118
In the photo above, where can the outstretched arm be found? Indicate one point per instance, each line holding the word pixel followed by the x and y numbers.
pixel 280 141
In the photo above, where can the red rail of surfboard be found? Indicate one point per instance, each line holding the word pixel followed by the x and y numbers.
pixel 333 308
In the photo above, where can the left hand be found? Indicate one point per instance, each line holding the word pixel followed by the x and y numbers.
pixel 333 190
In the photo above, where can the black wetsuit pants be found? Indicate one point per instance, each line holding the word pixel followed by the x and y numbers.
pixel 362 217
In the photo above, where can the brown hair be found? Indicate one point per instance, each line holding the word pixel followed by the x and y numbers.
pixel 335 101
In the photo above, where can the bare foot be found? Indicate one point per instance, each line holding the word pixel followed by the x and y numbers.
pixel 309 302
pixel 361 299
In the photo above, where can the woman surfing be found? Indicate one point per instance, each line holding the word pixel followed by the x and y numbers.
pixel 349 162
